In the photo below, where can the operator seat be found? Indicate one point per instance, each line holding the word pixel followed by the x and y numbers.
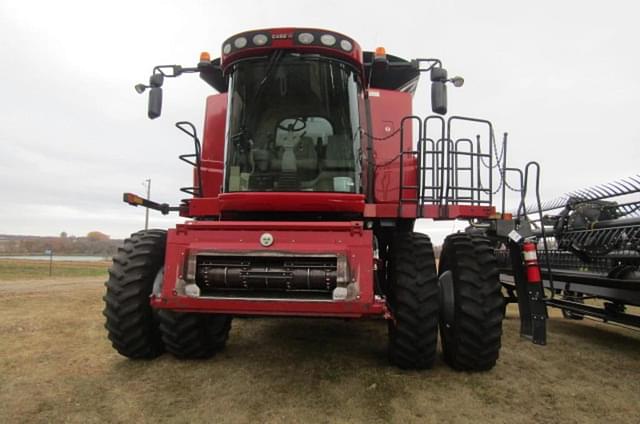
pixel 295 164
pixel 306 158
pixel 339 154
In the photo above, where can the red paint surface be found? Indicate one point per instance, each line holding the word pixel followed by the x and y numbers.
pixel 387 110
pixel 348 238
pixel 410 210
pixel 213 144
pixel 292 202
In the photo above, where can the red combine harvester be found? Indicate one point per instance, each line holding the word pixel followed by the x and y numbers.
pixel 310 177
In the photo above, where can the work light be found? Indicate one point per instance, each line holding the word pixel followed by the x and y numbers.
pixel 260 39
pixel 240 42
pixel 346 45
pixel 305 38
pixel 328 40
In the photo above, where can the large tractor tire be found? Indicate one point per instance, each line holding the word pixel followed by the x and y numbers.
pixel 413 301
pixel 132 324
pixel 194 335
pixel 471 303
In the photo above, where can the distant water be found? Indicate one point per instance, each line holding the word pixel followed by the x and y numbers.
pixel 60 258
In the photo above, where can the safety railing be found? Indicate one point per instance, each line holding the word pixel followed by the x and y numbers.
pixel 456 159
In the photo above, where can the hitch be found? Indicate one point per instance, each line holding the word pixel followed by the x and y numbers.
pixel 135 200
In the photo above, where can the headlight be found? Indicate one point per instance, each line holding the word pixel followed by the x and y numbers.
pixel 240 42
pixel 226 49
pixel 305 38
pixel 328 40
pixel 260 39
pixel 346 45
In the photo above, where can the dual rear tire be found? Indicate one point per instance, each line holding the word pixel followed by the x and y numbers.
pixel 138 331
pixel 463 300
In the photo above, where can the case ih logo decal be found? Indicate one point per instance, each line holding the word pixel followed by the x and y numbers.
pixel 281 36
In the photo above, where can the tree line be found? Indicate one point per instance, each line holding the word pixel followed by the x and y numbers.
pixel 94 243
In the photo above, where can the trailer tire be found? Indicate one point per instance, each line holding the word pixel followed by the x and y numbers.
pixel 194 335
pixel 131 322
pixel 413 302
pixel 473 306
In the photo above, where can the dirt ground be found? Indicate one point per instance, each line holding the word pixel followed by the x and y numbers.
pixel 56 365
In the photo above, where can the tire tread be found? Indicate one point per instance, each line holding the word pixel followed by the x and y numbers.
pixel 131 324
pixel 473 344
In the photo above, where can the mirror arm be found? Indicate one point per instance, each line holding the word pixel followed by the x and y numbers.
pixel 431 63
pixel 156 81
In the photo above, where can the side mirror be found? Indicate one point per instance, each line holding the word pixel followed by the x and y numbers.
pixel 439 91
pixel 156 80
pixel 155 103
pixel 439 97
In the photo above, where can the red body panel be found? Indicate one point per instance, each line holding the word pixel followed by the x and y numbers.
pixel 292 202
pixel 408 210
pixel 242 237
pixel 213 145
pixel 387 110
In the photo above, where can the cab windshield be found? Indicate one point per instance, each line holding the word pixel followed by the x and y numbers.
pixel 293 125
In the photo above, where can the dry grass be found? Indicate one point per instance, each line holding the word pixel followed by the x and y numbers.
pixel 56 365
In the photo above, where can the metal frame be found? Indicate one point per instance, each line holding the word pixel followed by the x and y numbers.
pixel 621 187
pixel 443 162
pixel 600 259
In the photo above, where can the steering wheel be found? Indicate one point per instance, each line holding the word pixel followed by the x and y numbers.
pixel 293 127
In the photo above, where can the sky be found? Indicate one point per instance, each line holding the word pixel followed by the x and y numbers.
pixel 560 77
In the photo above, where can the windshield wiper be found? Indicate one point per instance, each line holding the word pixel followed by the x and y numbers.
pixel 275 58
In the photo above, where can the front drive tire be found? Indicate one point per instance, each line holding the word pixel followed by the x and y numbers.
pixel 131 323
pixel 471 310
pixel 413 300
pixel 194 335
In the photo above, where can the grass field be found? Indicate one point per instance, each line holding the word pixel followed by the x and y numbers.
pixel 15 269
pixel 56 365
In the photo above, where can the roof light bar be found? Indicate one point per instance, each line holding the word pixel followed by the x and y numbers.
pixel 288 38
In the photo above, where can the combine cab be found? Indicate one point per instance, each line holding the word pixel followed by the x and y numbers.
pixel 310 176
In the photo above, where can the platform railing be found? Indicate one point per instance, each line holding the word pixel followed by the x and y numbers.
pixel 451 169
